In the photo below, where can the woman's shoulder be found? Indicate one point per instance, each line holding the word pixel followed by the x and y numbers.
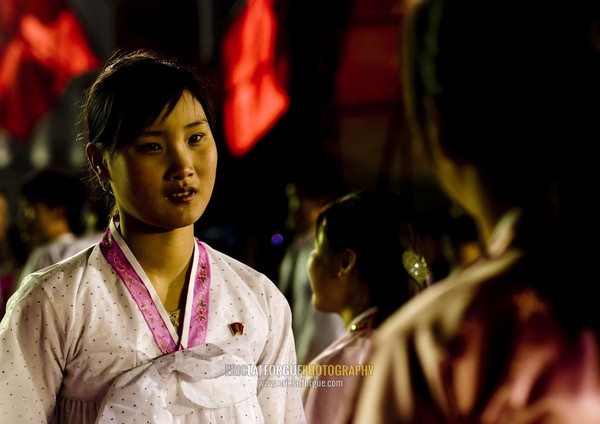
pixel 442 308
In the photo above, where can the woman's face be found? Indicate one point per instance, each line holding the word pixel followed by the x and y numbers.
pixel 165 177
pixel 36 220
pixel 329 291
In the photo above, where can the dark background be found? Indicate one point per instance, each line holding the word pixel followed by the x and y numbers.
pixel 341 69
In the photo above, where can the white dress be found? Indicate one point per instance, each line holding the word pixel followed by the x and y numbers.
pixel 80 345
pixel 55 251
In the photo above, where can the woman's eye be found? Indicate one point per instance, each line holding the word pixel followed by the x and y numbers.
pixel 149 147
pixel 196 138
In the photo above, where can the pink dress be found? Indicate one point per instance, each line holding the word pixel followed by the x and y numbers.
pixel 341 366
pixel 482 347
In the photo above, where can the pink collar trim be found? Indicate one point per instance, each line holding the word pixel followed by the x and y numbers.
pixel 195 324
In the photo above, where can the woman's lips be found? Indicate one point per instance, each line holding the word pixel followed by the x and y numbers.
pixel 183 196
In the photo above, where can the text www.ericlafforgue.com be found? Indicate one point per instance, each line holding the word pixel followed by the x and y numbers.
pixel 300 382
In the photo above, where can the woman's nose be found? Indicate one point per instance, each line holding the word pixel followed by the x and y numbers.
pixel 181 165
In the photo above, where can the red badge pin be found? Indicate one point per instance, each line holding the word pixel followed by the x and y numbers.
pixel 237 328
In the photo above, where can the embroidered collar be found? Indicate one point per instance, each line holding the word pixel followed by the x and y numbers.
pixel 195 323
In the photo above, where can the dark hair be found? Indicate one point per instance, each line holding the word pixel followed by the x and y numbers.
pixel 378 226
pixel 514 88
pixel 131 91
pixel 58 188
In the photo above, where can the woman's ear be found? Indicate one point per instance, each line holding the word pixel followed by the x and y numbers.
pixel 96 160
pixel 347 262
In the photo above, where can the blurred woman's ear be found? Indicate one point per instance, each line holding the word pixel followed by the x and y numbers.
pixel 348 261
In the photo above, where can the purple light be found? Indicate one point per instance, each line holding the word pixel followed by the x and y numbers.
pixel 276 239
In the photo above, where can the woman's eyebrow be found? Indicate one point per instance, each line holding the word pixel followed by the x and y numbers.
pixel 151 133
pixel 197 123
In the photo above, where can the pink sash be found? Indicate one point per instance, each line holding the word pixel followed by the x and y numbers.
pixel 198 324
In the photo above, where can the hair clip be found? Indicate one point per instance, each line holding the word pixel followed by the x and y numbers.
pixel 416 266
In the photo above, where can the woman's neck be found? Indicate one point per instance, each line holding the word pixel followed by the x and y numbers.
pixel 355 318
pixel 349 314
pixel 165 256
pixel 483 207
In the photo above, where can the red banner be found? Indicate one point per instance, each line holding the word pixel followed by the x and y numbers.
pixel 254 98
pixel 43 46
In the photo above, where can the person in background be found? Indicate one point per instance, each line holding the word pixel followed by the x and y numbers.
pixel 52 211
pixel 4 252
pixel 150 324
pixel 366 264
pixel 4 214
pixel 505 102
pixel 313 330
pixel 6 263
pixel 12 263
pixel 13 252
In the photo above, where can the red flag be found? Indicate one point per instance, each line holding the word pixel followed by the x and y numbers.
pixel 254 99
pixel 43 46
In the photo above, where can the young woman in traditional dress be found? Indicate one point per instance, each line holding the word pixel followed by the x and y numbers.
pixel 151 324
